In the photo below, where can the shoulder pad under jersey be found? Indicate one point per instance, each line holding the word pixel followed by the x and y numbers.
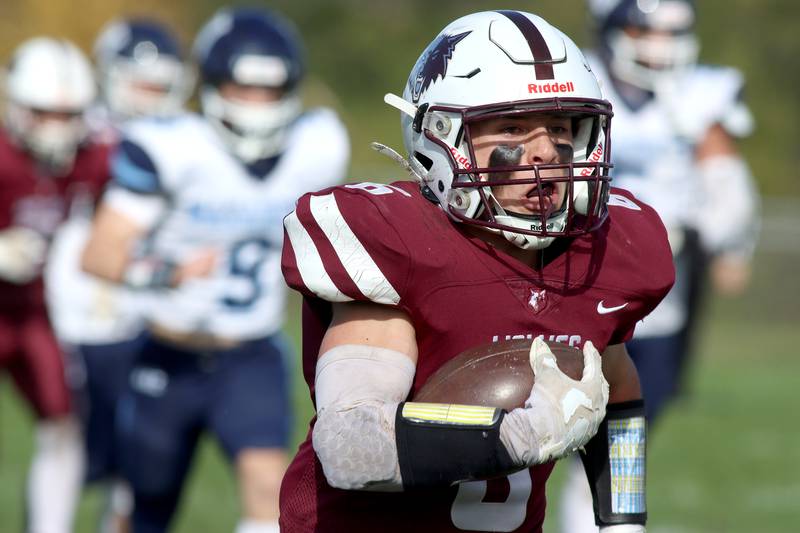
pixel 713 95
pixel 155 150
pixel 343 244
pixel 642 238
pixel 318 149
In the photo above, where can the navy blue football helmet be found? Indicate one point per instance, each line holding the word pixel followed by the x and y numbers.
pixel 646 41
pixel 253 48
pixel 141 69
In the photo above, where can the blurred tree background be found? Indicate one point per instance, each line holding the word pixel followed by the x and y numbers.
pixel 360 49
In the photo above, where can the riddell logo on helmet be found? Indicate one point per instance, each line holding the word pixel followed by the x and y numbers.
pixel 594 157
pixel 462 160
pixel 547 88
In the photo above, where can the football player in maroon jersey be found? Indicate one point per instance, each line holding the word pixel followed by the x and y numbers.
pixel 46 165
pixel 511 230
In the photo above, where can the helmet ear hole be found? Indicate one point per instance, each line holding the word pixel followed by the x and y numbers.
pixel 424 160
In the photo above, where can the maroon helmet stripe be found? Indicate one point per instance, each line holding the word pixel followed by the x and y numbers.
pixel 539 49
pixel 333 266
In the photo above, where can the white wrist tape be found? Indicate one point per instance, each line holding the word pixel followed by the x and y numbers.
pixel 358 389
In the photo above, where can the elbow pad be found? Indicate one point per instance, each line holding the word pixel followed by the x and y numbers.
pixel 356 446
pixel 357 390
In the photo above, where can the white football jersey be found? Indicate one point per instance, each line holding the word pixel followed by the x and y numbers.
pixel 85 309
pixel 205 199
pixel 652 149
pixel 653 146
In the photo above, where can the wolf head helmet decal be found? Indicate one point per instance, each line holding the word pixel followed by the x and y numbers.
pixel 433 63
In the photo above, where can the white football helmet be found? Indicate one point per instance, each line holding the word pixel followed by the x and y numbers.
pixel 141 69
pixel 494 64
pixel 46 77
pixel 646 43
pixel 250 47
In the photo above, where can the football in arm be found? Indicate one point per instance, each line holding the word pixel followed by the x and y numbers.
pixel 498 374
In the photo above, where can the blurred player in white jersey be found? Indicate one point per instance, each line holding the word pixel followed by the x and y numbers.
pixel 194 221
pixel 675 123
pixel 141 72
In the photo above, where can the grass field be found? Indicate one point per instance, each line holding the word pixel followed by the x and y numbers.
pixel 724 459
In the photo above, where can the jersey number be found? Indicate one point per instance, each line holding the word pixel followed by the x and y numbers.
pixel 470 512
pixel 246 259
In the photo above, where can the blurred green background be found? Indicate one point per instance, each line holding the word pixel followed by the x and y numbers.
pixel 725 457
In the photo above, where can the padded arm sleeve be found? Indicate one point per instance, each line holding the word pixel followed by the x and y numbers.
pixel 615 465
pixel 366 438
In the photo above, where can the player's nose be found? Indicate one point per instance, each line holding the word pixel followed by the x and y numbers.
pixel 541 149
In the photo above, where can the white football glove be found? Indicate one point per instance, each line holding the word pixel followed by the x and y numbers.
pixel 22 254
pixel 561 414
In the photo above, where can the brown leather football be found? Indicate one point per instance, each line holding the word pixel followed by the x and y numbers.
pixel 498 374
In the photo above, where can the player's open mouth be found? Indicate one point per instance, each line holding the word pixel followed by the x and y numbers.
pixel 546 193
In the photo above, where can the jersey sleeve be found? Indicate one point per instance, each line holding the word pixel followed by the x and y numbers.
pixel 133 169
pixel 340 247
pixel 136 189
pixel 645 268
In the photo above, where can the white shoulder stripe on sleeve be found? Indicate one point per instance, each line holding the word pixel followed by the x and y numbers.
pixel 309 262
pixel 356 260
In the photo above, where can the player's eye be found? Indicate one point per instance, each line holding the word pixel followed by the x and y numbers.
pixel 511 129
pixel 560 130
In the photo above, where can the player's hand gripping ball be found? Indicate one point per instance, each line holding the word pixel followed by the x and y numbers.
pixel 498 374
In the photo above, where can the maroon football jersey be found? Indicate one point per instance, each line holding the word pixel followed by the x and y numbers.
pixel 388 244
pixel 35 200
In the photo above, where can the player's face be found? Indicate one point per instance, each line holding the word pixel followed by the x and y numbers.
pixel 654 49
pixel 249 94
pixel 525 140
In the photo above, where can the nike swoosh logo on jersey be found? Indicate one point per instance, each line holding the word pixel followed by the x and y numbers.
pixel 603 310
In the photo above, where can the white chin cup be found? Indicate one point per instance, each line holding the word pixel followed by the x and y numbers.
pixel 529 242
pixel 252 130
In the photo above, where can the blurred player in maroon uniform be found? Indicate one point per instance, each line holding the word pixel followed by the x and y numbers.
pixel 511 231
pixel 46 165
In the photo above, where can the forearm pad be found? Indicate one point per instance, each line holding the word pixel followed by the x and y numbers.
pixel 443 444
pixel 615 464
